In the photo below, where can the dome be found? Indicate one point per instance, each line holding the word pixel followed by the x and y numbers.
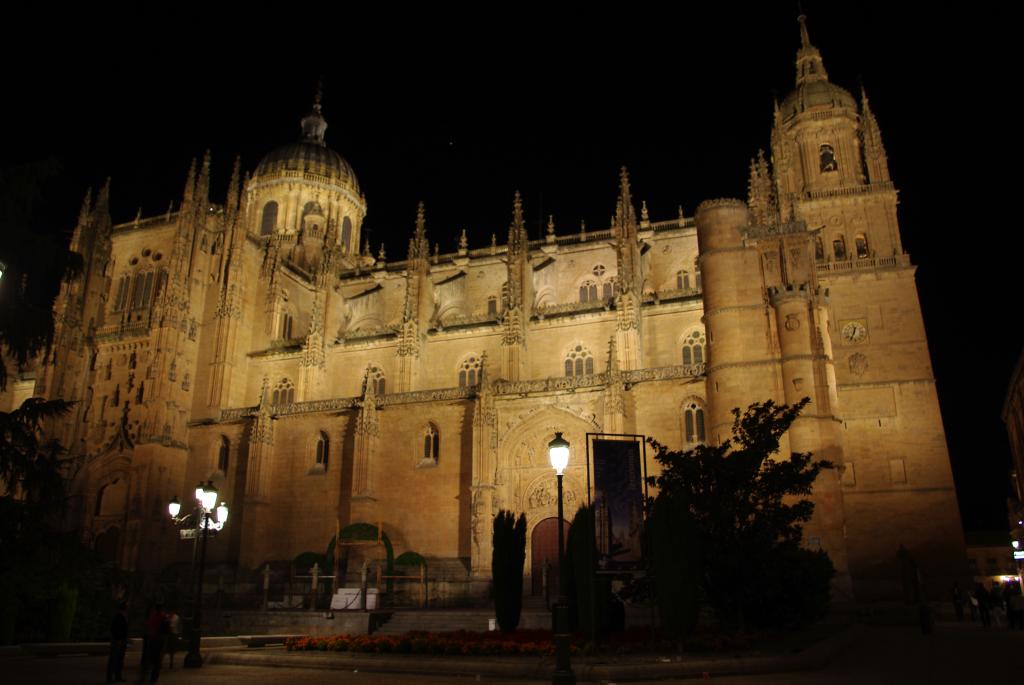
pixel 309 157
pixel 813 94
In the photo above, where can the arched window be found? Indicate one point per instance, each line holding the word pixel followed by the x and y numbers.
pixel 284 392
pixel 693 347
pixel 682 280
pixel 492 306
pixel 819 248
pixel 123 287
pixel 608 289
pixel 346 234
pixel 431 444
pixel 469 372
pixel 376 376
pixel 693 421
pixel 323 450
pixel 223 450
pixel 839 248
pixel 147 290
pixel 269 221
pixel 579 362
pixel 827 159
pixel 861 243
pixel 286 326
pixel 588 291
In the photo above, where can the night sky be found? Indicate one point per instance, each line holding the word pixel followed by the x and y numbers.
pixel 462 110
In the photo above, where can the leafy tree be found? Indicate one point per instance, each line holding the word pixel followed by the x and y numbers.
pixel 47 564
pixel 677 564
pixel 36 261
pixel 507 560
pixel 748 509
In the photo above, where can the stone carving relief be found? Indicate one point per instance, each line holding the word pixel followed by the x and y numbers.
pixel 543 494
pixel 858 364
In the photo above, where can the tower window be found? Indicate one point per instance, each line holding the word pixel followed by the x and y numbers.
pixel 346 234
pixel 827 159
pixel 269 221
pixel 492 306
pixel 579 362
pixel 861 243
pixel 819 248
pixel 839 248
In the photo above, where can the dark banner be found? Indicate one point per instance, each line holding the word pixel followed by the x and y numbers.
pixel 618 504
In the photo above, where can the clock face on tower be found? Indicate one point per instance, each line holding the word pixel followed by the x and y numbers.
pixel 855 332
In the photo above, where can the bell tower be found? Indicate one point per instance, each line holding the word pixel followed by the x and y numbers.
pixel 850 334
pixel 830 164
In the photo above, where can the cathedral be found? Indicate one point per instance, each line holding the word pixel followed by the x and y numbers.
pixel 255 342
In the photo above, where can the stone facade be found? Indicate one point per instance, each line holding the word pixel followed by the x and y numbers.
pixel 255 344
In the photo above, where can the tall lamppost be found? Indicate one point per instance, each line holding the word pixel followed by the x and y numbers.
pixel 558 453
pixel 200 521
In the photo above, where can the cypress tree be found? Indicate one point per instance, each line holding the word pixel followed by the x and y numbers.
pixel 507 560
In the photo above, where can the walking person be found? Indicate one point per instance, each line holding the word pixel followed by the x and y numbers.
pixel 1015 608
pixel 981 598
pixel 173 637
pixel 958 601
pixel 118 644
pixel 996 606
pixel 153 644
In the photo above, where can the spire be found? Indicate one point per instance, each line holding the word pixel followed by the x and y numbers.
pixel 232 200
pixel 190 184
pixel 809 65
pixel 761 195
pixel 875 160
pixel 86 210
pixel 625 215
pixel 202 195
pixel 805 38
pixel 551 229
pixel 517 230
pixel 463 242
pixel 419 246
pixel 313 124
pixel 103 200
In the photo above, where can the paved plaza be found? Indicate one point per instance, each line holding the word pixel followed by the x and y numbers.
pixel 880 655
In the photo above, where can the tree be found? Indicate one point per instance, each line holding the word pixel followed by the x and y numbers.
pixel 36 260
pixel 46 564
pixel 748 509
pixel 507 562
pixel 677 564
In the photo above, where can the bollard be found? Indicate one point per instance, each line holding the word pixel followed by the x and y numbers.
pixel 266 587
pixel 316 583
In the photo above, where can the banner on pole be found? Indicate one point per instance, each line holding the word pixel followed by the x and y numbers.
pixel 618 504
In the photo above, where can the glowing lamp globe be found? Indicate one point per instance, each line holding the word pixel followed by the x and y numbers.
pixel 174 507
pixel 209 496
pixel 558 453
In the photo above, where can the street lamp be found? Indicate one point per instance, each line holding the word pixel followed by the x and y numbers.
pixel 200 520
pixel 558 453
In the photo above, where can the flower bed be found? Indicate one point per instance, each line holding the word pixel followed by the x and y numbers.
pixel 521 642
